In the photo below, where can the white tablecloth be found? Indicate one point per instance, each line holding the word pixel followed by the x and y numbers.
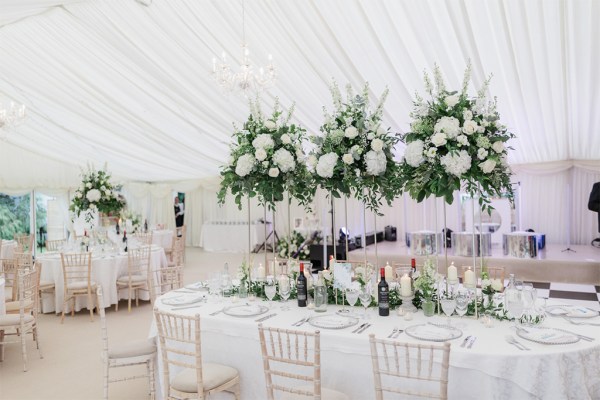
pixel 232 236
pixel 492 369
pixel 163 238
pixel 105 272
pixel 8 248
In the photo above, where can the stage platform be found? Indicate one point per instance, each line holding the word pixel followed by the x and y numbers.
pixel 552 264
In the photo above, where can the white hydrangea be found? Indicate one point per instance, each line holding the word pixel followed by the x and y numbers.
pixel 498 146
pixel 439 139
pixel 376 162
pixel 432 152
pixel 451 101
pixel 467 115
pixel 270 125
pixel 482 153
pixel 377 144
pixel 371 135
pixel 483 141
pixel 78 195
pixel 265 164
pixel 351 132
pixel 470 127
pixel 311 162
pixel 245 164
pixel 285 139
pixel 487 166
pixel 88 185
pixel 284 160
pixel 93 195
pixel 348 158
pixel 356 151
pixel 260 154
pixel 326 164
pixel 274 172
pixel 449 125
pixel 497 285
pixel 413 154
pixel 462 140
pixel 456 163
pixel 263 141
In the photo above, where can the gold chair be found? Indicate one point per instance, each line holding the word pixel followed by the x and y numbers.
pixel 55 245
pixel 145 239
pixel 138 265
pixel 180 346
pixel 26 320
pixel 292 364
pixel 8 266
pixel 414 370
pixel 77 274
pixel 25 242
pixel 139 352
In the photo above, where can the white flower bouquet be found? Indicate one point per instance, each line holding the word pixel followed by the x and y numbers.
pixel 267 159
pixel 455 141
pixel 96 194
pixel 354 153
pixel 288 247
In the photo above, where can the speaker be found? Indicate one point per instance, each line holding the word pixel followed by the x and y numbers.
pixel 390 233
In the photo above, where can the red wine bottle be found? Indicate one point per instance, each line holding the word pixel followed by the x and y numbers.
pixel 125 239
pixel 413 265
pixel 383 295
pixel 301 287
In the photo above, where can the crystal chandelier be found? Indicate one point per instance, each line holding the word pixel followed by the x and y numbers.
pixel 247 79
pixel 10 116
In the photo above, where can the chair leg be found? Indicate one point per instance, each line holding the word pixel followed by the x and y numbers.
pixel 151 378
pixel 62 318
pixel 73 307
pixel 92 305
pixel 24 350
pixel 37 340
pixel 129 301
pixel 236 392
pixel 1 345
pixel 106 368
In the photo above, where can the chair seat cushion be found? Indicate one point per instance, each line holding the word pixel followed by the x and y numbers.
pixel 46 285
pixel 326 394
pixel 13 306
pixel 13 319
pixel 124 280
pixel 136 348
pixel 213 375
pixel 79 285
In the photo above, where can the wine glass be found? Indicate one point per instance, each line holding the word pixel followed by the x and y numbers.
pixel 365 300
pixel 448 305
pixel 352 297
pixel 270 290
pixel 462 302
pixel 514 304
pixel 284 292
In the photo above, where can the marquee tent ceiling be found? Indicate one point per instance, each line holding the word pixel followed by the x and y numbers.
pixel 129 84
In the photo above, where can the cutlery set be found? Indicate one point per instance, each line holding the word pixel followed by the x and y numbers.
pixel 301 322
pixel 266 317
pixel 395 333
pixel 510 339
pixel 362 328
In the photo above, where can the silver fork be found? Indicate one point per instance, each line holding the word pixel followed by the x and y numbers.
pixel 393 332
pixel 515 343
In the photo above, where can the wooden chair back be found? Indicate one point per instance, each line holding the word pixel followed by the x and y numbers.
pixel 413 370
pixel 25 242
pixel 77 271
pixel 8 267
pixel 165 279
pixel 55 245
pixel 145 238
pixel 138 261
pixel 291 361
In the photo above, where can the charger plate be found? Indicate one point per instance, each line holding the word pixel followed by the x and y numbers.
pixel 547 335
pixel 245 310
pixel 332 321
pixel 433 332
pixel 571 311
pixel 182 300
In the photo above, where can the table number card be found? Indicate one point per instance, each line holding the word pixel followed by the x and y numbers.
pixel 342 275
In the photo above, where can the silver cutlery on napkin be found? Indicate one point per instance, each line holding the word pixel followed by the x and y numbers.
pixel 393 333
pixel 364 328
pixel 465 341
pixel 515 343
pixel 265 318
pixel 471 341
pixel 398 333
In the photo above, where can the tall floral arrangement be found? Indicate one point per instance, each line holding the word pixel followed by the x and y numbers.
pixel 96 194
pixel 353 156
pixel 455 141
pixel 267 159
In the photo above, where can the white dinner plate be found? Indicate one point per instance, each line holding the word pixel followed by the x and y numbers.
pixel 182 300
pixel 245 310
pixel 547 335
pixel 571 311
pixel 433 332
pixel 200 286
pixel 332 321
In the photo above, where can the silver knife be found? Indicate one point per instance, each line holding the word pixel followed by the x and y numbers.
pixel 364 328
pixel 465 341
pixel 265 318
pixel 217 312
pixel 359 328
pixel 471 341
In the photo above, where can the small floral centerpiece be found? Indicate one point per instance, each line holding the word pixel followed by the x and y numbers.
pixel 363 275
pixel 96 194
pixel 455 141
pixel 288 246
pixel 487 305
pixel 426 287
pixel 267 159
pixel 136 221
pixel 354 154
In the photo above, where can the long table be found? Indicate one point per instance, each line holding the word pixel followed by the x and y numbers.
pixel 491 369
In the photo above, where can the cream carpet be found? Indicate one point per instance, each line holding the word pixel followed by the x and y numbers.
pixel 72 364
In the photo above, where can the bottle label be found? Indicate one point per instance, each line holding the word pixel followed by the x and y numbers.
pixel 383 298
pixel 301 287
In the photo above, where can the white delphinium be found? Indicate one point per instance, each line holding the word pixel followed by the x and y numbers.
pixel 456 163
pixel 449 125
pixel 376 162
pixel 482 153
pixel 487 166
pixel 326 164
pixel 414 153
pixel 245 164
pixel 284 160
pixel 263 141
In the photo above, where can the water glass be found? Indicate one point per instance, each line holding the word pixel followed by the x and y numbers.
pixel 352 297
pixel 270 291
pixel 365 300
pixel 462 302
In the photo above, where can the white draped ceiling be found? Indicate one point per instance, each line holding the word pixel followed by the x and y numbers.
pixel 120 82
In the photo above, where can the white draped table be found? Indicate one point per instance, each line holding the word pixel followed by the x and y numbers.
pixel 491 369
pixel 8 248
pixel 231 236
pixel 163 238
pixel 105 272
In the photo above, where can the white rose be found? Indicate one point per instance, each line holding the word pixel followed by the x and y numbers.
pixel 498 146
pixel 93 195
pixel 263 141
pixel 285 139
pixel 487 166
pixel 348 159
pixel 377 144
pixel 451 101
pixel 439 139
pixel 497 285
pixel 413 154
pixel 245 164
pixel 274 172
pixel 470 127
pixel 88 185
pixel 270 125
pixel 351 132
pixel 467 115
pixel 432 152
pixel 482 153
pixel 376 162
pixel 462 140
pixel 326 165
pixel 260 154
pixel 78 195
pixel 480 129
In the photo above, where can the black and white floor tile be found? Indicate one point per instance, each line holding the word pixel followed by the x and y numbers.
pixel 577 294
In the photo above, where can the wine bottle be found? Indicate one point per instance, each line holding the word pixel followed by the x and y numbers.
pixel 301 287
pixel 383 295
pixel 118 228
pixel 125 239
pixel 145 226
pixel 413 265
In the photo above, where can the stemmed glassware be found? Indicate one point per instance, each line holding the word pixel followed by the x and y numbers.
pixel 270 291
pixel 365 299
pixel 284 291
pixel 462 299
pixel 448 303
pixel 514 304
pixel 352 297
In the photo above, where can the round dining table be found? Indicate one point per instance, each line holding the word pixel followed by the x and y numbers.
pixel 489 368
pixel 106 269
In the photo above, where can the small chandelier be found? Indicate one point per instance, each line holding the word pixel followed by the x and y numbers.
pixel 247 79
pixel 10 117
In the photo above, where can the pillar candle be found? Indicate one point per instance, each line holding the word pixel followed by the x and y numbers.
pixel 405 289
pixel 452 273
pixel 469 278
pixel 389 273
pixel 260 273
